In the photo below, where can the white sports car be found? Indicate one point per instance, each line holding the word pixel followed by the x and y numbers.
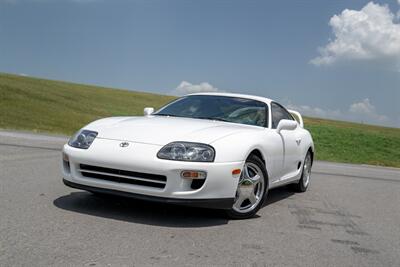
pixel 214 150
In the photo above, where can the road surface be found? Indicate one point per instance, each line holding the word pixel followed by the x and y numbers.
pixel 349 217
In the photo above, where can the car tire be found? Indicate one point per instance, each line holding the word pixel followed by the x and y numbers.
pixel 252 189
pixel 305 179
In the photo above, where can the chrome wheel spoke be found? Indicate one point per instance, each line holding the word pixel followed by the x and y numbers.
pixel 307 170
pixel 256 179
pixel 252 198
pixel 239 201
pixel 246 172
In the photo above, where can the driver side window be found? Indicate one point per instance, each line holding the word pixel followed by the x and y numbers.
pixel 278 114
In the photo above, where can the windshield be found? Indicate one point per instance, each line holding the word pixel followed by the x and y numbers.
pixel 223 108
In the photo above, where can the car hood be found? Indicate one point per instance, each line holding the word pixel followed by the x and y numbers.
pixel 163 130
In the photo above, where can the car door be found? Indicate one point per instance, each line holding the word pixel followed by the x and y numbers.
pixel 290 141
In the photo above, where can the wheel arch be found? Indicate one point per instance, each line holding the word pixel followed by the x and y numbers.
pixel 311 150
pixel 257 152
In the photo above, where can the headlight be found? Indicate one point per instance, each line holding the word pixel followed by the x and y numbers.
pixel 82 139
pixel 185 151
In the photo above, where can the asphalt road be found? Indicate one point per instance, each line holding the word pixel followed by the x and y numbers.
pixel 349 217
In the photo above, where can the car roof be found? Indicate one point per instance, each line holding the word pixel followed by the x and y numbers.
pixel 253 97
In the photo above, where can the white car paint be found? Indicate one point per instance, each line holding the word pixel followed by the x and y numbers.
pixel 282 151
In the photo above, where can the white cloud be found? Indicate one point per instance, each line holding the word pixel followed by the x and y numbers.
pixel 188 88
pixel 364 106
pixel 362 111
pixel 367 34
pixel 315 111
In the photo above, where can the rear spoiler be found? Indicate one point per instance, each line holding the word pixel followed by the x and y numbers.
pixel 298 117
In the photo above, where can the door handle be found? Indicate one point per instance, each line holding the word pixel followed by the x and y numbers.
pixel 298 141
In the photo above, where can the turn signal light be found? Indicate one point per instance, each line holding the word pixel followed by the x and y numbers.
pixel 236 171
pixel 193 174
pixel 65 157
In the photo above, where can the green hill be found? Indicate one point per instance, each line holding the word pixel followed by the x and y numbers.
pixel 41 105
pixel 60 107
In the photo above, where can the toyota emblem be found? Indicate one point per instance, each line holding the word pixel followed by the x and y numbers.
pixel 124 144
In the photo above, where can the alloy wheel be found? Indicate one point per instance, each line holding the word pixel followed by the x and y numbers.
pixel 250 188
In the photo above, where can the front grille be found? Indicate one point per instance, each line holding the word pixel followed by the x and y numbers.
pixel 123 176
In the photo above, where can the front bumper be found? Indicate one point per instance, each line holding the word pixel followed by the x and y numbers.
pixel 218 190
pixel 222 203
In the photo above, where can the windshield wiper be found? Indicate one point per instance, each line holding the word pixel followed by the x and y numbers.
pixel 166 115
pixel 203 118
pixel 211 118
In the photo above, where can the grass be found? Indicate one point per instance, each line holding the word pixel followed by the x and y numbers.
pixel 60 107
pixel 40 105
pixel 355 143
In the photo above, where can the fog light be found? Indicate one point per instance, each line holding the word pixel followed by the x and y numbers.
pixel 193 175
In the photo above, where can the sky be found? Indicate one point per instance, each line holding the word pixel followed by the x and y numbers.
pixel 331 59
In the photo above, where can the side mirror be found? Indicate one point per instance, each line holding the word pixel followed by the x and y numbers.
pixel 286 125
pixel 148 111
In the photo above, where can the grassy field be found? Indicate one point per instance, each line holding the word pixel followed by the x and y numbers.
pixel 355 143
pixel 60 107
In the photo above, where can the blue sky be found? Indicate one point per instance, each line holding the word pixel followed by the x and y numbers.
pixel 334 59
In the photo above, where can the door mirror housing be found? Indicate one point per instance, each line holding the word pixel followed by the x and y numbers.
pixel 288 125
pixel 148 111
